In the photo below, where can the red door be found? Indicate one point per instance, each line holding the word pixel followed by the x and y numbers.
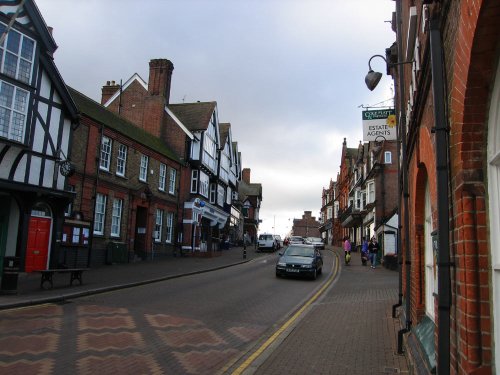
pixel 37 250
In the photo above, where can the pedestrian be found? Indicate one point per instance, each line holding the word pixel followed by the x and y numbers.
pixel 246 240
pixel 373 249
pixel 347 250
pixel 364 251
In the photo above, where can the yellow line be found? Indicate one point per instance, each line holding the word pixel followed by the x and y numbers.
pixel 287 324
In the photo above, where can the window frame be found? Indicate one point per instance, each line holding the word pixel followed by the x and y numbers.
pixel 105 153
pixel 100 214
pixel 387 157
pixel 194 181
pixel 6 49
pixel 121 160
pixel 158 223
pixel 116 217
pixel 169 229
pixel 162 176
pixel 143 168
pixel 16 108
pixel 172 181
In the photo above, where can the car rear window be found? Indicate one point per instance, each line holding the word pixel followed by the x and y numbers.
pixel 265 237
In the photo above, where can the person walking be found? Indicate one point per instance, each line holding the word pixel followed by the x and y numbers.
pixel 347 250
pixel 373 249
pixel 364 251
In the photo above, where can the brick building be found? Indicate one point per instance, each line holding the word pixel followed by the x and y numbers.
pixel 448 101
pixel 250 194
pixel 307 226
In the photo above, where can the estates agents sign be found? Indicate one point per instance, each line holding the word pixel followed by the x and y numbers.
pixel 379 123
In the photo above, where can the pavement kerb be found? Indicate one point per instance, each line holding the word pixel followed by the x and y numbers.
pixel 88 292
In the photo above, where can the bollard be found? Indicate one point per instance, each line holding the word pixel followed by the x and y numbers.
pixel 244 252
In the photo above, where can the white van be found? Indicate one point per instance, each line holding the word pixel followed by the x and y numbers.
pixel 266 241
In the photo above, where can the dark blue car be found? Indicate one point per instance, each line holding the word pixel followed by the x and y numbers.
pixel 300 260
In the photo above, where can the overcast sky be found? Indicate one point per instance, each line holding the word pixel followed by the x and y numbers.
pixel 288 75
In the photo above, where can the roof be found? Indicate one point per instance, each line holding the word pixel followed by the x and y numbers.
pixel 351 153
pixel 195 116
pixel 224 132
pixel 110 119
pixel 249 190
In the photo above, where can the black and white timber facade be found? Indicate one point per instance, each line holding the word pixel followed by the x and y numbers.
pixel 37 115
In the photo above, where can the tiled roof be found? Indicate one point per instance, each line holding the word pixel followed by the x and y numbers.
pixel 110 119
pixel 250 189
pixel 224 132
pixel 194 116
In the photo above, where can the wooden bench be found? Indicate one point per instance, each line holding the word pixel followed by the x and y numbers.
pixel 76 274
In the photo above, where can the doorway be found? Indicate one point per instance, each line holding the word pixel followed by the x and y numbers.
pixel 141 223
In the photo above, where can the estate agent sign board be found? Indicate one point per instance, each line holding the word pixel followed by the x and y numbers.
pixel 379 125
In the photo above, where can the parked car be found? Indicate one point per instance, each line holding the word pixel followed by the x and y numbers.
pixel 266 241
pixel 316 242
pixel 300 260
pixel 296 240
pixel 279 242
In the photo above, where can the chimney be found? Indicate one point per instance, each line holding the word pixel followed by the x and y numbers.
pixel 245 175
pixel 109 90
pixel 160 78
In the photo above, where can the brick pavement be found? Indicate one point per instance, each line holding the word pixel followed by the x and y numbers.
pixel 348 331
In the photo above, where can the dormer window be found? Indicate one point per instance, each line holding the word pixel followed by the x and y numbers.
pixel 17 54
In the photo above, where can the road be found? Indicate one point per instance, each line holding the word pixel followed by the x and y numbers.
pixel 200 324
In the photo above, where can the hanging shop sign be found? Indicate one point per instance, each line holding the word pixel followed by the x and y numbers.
pixel 379 125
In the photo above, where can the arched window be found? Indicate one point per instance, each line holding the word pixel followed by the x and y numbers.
pixel 41 209
pixel 430 262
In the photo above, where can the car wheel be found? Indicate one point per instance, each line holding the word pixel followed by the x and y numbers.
pixel 320 271
pixel 278 275
pixel 274 247
pixel 315 274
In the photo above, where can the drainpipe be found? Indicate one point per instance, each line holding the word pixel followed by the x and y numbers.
pixel 442 170
pixel 403 193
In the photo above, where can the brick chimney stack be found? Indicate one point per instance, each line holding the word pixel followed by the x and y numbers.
pixel 109 90
pixel 245 175
pixel 160 78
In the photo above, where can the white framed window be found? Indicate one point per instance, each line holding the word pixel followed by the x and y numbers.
pixel 169 227
pixel 158 224
pixel 105 160
pixel 204 183
pixel 121 160
pixel 194 181
pixel 100 213
pixel 430 261
pixel 336 210
pixel 370 187
pixel 13 111
pixel 116 217
pixel 213 192
pixel 17 54
pixel 172 181
pixel 162 177
pixel 220 195
pixel 388 157
pixel 143 169
pixel 329 213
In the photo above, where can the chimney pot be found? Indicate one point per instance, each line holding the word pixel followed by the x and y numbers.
pixel 107 83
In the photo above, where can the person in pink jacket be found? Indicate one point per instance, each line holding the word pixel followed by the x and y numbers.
pixel 347 250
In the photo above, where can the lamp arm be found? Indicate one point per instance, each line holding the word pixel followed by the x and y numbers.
pixel 388 63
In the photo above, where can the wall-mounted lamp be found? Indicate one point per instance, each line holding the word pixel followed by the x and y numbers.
pixel 373 78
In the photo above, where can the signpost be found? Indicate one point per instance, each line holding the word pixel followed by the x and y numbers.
pixel 379 123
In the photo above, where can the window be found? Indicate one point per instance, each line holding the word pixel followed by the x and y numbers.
pixel 162 177
pixel 13 111
pixel 213 192
pixel 158 224
pixel 105 153
pixel 69 207
pixel 121 160
pixel 116 217
pixel 171 181
pixel 388 157
pixel 220 195
pixel 204 184
pixel 17 58
pixel 357 197
pixel 143 170
pixel 194 181
pixel 329 213
pixel 100 214
pixel 430 261
pixel 170 227
pixel 371 192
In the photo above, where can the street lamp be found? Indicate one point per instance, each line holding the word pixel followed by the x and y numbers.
pixel 373 78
